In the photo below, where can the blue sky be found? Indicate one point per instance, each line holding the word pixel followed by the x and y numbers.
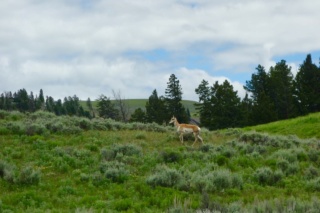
pixel 89 48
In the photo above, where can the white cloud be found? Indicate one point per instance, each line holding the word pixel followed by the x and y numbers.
pixel 79 47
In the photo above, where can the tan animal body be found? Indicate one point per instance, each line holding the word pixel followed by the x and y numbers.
pixel 186 128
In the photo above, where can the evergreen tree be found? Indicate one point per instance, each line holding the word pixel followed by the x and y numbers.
pixel 263 110
pixel 32 103
pixel 40 103
pixel 138 116
pixel 59 108
pixel 246 108
pixel 21 100
pixel 173 98
pixel 281 90
pixel 6 102
pixel 155 109
pixel 219 105
pixel 71 105
pixel 225 106
pixel 106 109
pixel 2 101
pixel 204 105
pixel 90 107
pixel 307 87
pixel 50 105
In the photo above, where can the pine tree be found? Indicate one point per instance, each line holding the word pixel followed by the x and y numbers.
pixel 21 100
pixel 173 98
pixel 225 106
pixel 155 109
pixel 138 116
pixel 219 105
pixel 90 107
pixel 40 103
pixel 263 110
pixel 281 90
pixel 307 87
pixel 50 104
pixel 204 106
pixel 32 103
pixel 246 107
pixel 106 109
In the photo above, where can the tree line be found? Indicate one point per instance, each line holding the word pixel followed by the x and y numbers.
pixel 271 95
pixel 24 102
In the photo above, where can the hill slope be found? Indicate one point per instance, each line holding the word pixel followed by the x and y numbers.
pixel 304 127
pixel 72 164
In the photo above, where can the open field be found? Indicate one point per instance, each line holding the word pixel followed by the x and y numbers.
pixel 71 164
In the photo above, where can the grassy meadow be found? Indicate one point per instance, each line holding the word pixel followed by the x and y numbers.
pixel 72 164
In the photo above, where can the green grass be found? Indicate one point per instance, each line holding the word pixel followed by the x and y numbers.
pixel 143 168
pixel 304 127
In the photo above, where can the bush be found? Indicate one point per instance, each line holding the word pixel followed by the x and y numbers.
pixel 164 176
pixel 170 156
pixel 265 176
pixel 311 173
pixel 114 171
pixel 36 129
pixel 16 127
pixel 283 164
pixel 127 149
pixel 98 124
pixel 222 160
pixel 107 154
pixel 85 124
pixel 205 148
pixel 314 185
pixel 55 126
pixel 223 179
pixel 40 114
pixel 7 171
pixel 287 154
pixel 313 155
pixel 254 137
pixel 29 176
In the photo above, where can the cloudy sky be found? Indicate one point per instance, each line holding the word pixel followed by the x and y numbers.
pixel 87 48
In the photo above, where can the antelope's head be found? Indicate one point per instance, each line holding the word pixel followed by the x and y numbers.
pixel 173 119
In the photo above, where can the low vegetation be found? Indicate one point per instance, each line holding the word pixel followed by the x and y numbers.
pixel 72 164
pixel 304 127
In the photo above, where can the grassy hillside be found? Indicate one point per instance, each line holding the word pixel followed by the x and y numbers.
pixel 71 164
pixel 304 127
pixel 141 103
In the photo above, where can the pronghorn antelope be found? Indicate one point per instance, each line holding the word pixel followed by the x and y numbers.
pixel 186 128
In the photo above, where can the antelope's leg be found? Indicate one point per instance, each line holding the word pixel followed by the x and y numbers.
pixel 195 138
pixel 200 139
pixel 181 137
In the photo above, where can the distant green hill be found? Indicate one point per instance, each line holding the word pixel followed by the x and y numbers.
pixel 304 127
pixel 141 103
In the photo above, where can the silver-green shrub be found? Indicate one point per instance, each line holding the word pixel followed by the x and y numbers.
pixel 29 176
pixel 114 171
pixel 265 176
pixel 7 171
pixel 164 176
pixel 311 172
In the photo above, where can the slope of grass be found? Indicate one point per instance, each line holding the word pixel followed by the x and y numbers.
pixel 304 127
pixel 69 164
